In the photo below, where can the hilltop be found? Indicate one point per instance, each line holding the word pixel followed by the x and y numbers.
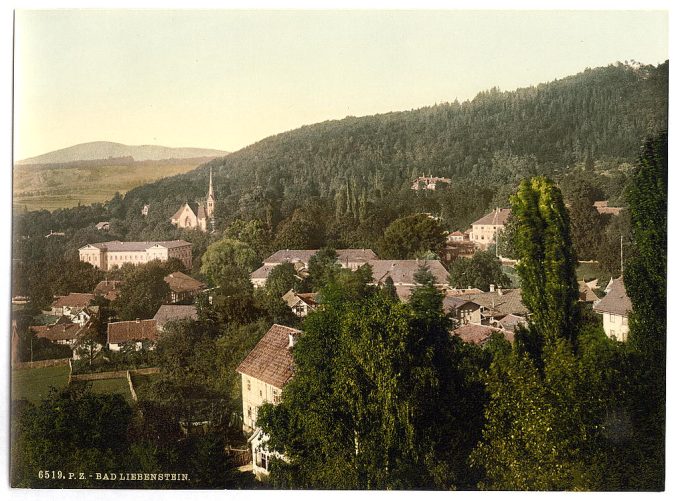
pixel 99 150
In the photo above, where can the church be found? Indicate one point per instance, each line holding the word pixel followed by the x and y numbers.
pixel 202 218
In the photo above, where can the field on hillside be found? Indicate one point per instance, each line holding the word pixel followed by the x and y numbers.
pixel 61 186
pixel 34 384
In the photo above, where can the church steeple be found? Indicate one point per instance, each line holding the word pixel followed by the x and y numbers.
pixel 210 199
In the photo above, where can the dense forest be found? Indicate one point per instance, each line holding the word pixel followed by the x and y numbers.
pixel 342 182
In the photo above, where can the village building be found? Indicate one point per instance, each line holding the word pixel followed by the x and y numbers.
pixel 585 292
pixel 347 258
pixel 71 303
pixel 107 255
pixel 63 333
pixel 484 230
pixel 108 289
pixel 480 334
pixel 139 334
pixel 456 236
pixel 145 210
pixel 602 207
pixel 202 217
pixel 264 373
pixel 498 303
pixel 462 311
pixel 402 271
pixel 301 303
pixel 174 312
pixel 614 308
pixel 183 288
pixel 428 182
pixel 511 322
pixel 103 226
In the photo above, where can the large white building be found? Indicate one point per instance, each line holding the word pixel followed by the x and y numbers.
pixel 106 255
pixel 614 308
pixel 484 229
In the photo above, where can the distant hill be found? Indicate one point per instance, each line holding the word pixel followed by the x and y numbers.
pixel 99 150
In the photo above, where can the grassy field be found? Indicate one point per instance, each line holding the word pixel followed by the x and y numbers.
pixel 34 384
pixel 54 187
pixel 112 386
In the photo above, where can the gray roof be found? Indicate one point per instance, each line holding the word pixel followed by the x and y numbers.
pixel 118 246
pixel 497 217
pixel 452 303
pixel 402 270
pixel 616 301
pixel 345 256
pixel 170 312
pixel 505 302
pixel 263 271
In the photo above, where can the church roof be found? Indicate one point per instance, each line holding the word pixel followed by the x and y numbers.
pixel 181 209
pixel 201 212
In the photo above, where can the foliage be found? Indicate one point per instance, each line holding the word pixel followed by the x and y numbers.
pixel 585 222
pixel 408 237
pixel 322 267
pixel 547 262
pixel 375 384
pixel 480 271
pixel 143 291
pixel 228 263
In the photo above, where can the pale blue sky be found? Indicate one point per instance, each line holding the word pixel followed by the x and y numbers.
pixel 225 79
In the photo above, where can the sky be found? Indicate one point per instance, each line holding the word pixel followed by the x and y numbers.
pixel 226 79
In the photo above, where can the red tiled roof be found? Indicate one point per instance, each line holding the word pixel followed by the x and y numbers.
pixel 57 332
pixel 271 360
pixel 74 300
pixel 109 289
pixel 133 330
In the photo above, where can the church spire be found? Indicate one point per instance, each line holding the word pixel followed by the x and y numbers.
pixel 210 199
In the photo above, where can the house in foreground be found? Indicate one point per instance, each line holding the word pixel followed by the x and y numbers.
pixel 183 288
pixel 614 308
pixel 63 332
pixel 264 373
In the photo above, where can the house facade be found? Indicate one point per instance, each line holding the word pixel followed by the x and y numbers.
pixel 463 311
pixel 107 255
pixel 615 308
pixel 484 230
pixel 71 304
pixel 264 373
pixel 300 303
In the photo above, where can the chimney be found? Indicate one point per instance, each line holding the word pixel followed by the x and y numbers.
pixel 492 288
pixel 500 291
pixel 291 340
pixel 137 320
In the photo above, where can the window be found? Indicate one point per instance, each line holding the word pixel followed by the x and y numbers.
pixel 276 397
pixel 248 384
pixel 260 393
pixel 624 320
pixel 250 412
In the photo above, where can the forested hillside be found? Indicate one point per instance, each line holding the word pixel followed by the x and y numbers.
pixel 343 182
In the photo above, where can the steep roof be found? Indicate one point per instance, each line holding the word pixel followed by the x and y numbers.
pixel 201 212
pixel 133 330
pixel 498 216
pixel 271 360
pixel 292 298
pixel 585 293
pixel 58 332
pixel 476 334
pixel 181 209
pixel 171 312
pixel 73 300
pixel 510 322
pixel 180 282
pixel 616 301
pixel 500 303
pixel 452 303
pixel 402 270
pixel 118 246
pixel 109 289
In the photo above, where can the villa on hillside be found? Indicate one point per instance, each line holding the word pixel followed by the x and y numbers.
pixel 428 182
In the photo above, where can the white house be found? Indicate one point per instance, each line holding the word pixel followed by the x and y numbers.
pixel 264 373
pixel 484 229
pixel 614 308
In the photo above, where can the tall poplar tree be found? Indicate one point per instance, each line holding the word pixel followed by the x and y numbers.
pixel 547 267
